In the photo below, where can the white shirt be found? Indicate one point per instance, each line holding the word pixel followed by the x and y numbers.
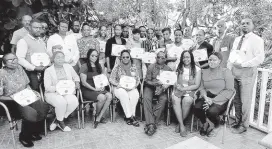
pixel 69 45
pixel 187 43
pixel 251 53
pixel 21 52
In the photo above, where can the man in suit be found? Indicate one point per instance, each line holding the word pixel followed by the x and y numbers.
pixel 222 42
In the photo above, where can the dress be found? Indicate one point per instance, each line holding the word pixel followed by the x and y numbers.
pixel 88 94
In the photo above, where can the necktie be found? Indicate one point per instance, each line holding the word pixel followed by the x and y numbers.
pixel 240 43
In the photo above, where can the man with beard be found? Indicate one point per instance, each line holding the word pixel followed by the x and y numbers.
pixel 20 33
pixel 246 55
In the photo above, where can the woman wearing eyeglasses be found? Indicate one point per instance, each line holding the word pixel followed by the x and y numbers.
pixel 189 76
pixel 13 79
pixel 90 92
pixel 128 97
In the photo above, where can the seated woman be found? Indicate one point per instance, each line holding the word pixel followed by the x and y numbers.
pixel 14 79
pixel 189 76
pixel 66 104
pixel 217 87
pixel 128 97
pixel 100 95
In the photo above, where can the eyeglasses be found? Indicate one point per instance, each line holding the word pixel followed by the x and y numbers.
pixel 12 60
pixel 125 57
pixel 93 55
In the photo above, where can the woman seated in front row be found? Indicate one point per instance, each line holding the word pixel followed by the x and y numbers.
pixel 90 92
pixel 217 87
pixel 189 76
pixel 64 104
pixel 128 97
pixel 13 80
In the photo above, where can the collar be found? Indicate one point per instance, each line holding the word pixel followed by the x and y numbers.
pixel 248 34
pixel 39 38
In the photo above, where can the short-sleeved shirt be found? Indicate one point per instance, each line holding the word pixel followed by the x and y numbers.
pixel 109 44
pixel 18 34
pixel 84 45
pixel 154 70
pixel 14 80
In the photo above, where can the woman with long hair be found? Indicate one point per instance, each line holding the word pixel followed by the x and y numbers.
pixel 90 92
pixel 189 76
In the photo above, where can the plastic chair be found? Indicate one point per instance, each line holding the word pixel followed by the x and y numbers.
pixel 226 115
pixel 12 125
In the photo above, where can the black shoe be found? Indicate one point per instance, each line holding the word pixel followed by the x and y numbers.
pixel 36 137
pixel 25 141
pixel 95 122
pixel 235 125
pixel 239 130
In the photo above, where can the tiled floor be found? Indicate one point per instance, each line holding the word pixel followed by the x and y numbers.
pixel 119 135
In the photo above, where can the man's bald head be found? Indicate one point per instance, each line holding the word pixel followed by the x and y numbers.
pixel 26 20
pixel 220 27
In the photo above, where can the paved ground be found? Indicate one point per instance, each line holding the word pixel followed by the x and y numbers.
pixel 118 135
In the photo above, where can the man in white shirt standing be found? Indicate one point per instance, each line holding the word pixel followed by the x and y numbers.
pixel 247 53
pixel 20 33
pixel 26 47
pixel 68 43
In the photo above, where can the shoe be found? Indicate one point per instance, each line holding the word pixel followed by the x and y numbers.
pixel 103 120
pixel 25 142
pixel 36 137
pixel 134 122
pixel 239 130
pixel 203 131
pixel 235 125
pixel 53 125
pixel 95 122
pixel 62 126
pixel 151 129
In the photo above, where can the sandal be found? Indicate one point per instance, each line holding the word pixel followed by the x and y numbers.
pixel 128 121
pixel 135 122
pixel 151 129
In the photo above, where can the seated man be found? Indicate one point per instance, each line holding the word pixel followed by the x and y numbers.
pixel 152 88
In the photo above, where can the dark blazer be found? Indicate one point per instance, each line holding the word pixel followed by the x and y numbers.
pixel 225 48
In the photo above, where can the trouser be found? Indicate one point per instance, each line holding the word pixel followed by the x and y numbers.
pixel 34 80
pixel 33 117
pixel 212 113
pixel 153 113
pixel 64 105
pixel 243 84
pixel 128 99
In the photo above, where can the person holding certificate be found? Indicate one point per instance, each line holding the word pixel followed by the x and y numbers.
pixel 64 104
pixel 13 79
pixel 91 92
pixel 154 87
pixel 189 77
pixel 126 89
pixel 202 50
pixel 117 40
pixel 217 87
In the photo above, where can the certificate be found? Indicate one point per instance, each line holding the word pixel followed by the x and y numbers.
pixel 102 46
pixel 200 55
pixel 174 51
pixel 65 87
pixel 127 82
pixel 137 52
pixel 117 49
pixel 25 97
pixel 168 77
pixel 40 59
pixel 149 57
pixel 237 56
pixel 100 81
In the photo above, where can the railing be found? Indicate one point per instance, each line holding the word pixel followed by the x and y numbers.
pixel 261 106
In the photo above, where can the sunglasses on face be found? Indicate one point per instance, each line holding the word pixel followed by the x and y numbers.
pixel 125 57
pixel 93 55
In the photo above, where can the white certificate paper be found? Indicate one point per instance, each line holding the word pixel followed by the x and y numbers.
pixel 168 77
pixel 25 97
pixel 137 52
pixel 127 82
pixel 102 46
pixel 40 59
pixel 149 57
pixel 100 81
pixel 200 55
pixel 237 56
pixel 65 87
pixel 174 51
pixel 117 49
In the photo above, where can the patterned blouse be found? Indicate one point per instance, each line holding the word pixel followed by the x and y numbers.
pixel 118 71
pixel 85 44
pixel 14 80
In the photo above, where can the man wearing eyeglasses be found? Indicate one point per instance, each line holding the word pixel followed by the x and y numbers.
pixel 154 87
pixel 26 47
pixel 246 55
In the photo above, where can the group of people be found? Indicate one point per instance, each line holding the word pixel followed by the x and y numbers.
pixel 203 86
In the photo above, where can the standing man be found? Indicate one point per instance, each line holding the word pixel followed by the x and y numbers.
pixel 187 41
pixel 150 44
pixel 222 43
pixel 69 45
pixel 28 45
pixel 75 30
pixel 116 39
pixel 20 33
pixel 154 87
pixel 143 32
pixel 247 53
pixel 125 33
